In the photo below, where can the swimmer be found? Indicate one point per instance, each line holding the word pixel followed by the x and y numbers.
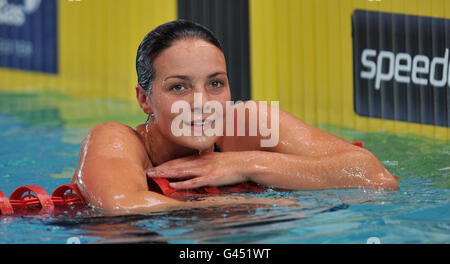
pixel 175 61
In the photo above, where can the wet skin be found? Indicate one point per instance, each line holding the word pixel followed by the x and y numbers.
pixel 115 160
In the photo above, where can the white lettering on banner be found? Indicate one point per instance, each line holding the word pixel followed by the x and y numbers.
pixel 384 76
pixel 15 14
pixel 404 69
pixel 368 63
pixel 19 48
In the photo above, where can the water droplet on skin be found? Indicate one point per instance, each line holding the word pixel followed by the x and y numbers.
pixel 117 197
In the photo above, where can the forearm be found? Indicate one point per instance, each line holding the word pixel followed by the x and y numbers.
pixel 351 169
pixel 148 202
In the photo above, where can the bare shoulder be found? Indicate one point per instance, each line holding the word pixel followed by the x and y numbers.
pixel 114 139
pixel 113 130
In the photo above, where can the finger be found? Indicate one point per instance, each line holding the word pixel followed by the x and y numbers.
pixel 175 173
pixel 207 181
pixel 190 184
pixel 184 162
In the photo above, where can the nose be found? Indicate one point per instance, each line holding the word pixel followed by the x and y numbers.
pixel 200 97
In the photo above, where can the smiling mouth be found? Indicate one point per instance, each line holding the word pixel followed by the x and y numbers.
pixel 203 123
pixel 199 126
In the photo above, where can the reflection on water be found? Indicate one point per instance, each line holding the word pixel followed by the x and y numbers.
pixel 222 224
pixel 243 224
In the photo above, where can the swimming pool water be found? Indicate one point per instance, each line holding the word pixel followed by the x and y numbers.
pixel 44 151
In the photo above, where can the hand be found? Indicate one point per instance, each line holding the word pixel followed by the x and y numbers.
pixel 209 169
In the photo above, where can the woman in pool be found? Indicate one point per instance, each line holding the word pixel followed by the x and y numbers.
pixel 174 61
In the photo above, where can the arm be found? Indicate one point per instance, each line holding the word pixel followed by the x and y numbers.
pixel 309 158
pixel 351 169
pixel 111 171
pixel 304 158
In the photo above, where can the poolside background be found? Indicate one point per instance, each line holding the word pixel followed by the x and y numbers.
pixel 298 52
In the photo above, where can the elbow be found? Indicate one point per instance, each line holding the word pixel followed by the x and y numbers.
pixel 377 176
pixel 139 202
pixel 388 181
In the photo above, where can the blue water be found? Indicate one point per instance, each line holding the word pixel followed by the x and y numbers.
pixel 419 212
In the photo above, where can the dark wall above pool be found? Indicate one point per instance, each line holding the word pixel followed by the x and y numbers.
pixel 229 20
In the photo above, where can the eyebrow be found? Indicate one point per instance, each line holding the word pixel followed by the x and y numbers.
pixel 185 77
pixel 215 74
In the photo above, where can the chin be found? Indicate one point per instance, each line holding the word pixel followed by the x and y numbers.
pixel 198 142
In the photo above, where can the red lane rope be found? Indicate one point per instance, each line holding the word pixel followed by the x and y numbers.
pixel 24 197
pixel 33 199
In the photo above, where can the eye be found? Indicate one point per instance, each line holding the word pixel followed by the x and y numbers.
pixel 178 88
pixel 217 84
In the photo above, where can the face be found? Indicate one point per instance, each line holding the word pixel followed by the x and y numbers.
pixel 188 67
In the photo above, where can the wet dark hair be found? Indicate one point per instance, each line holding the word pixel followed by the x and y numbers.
pixel 162 38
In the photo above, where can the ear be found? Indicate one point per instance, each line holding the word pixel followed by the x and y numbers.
pixel 143 100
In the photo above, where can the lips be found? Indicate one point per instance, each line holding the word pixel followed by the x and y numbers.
pixel 199 125
pixel 200 122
